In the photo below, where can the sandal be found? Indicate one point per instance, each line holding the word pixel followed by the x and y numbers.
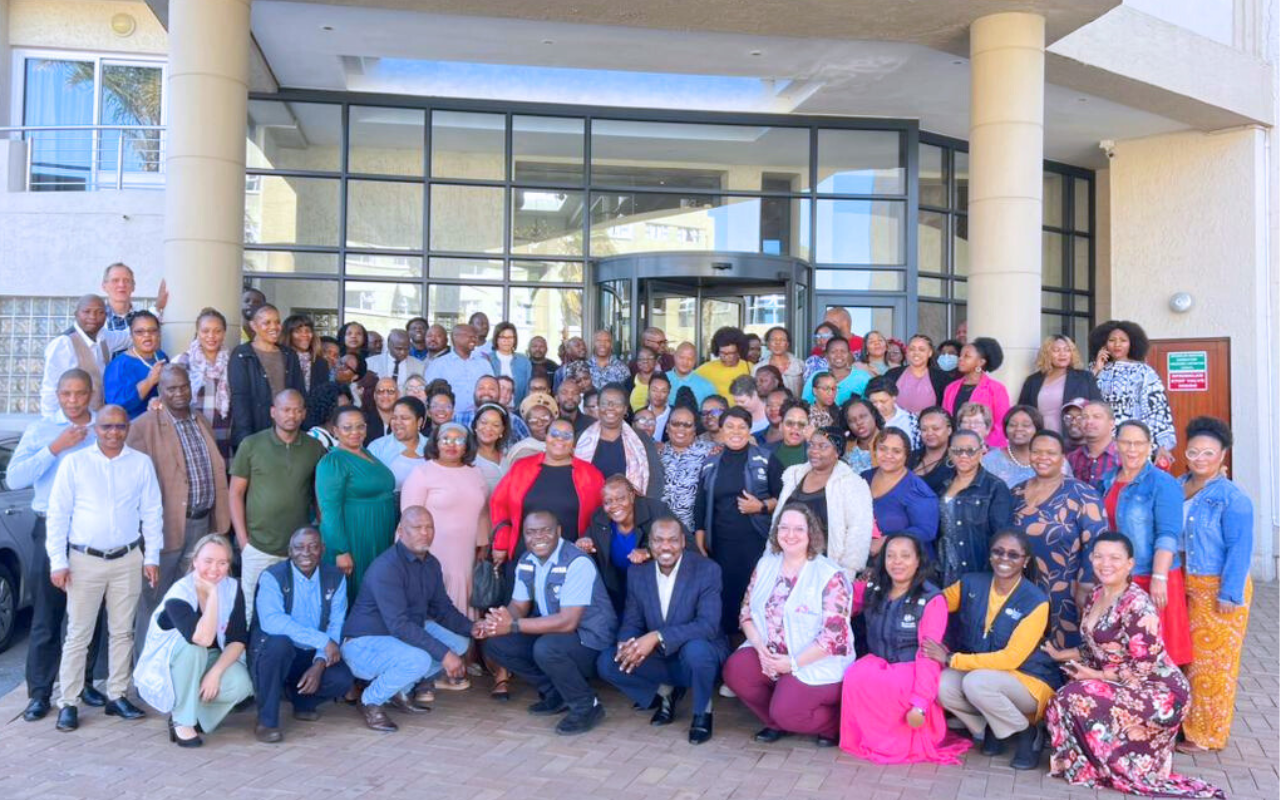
pixel 1191 748
pixel 501 690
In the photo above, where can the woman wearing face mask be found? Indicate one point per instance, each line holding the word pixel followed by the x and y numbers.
pixel 207 362
pixel 979 357
pixel 789 366
pixel 539 411
pixel 682 456
pixel 619 534
pixel 862 427
pixel 948 359
pixel 837 497
pixel 258 371
pixel 1131 387
pixel 931 461
pixel 920 384
pixel 972 507
pixel 1059 377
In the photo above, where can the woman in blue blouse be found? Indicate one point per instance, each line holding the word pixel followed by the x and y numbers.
pixel 901 501
pixel 132 377
pixel 1218 528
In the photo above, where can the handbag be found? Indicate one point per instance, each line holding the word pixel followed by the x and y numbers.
pixel 486 587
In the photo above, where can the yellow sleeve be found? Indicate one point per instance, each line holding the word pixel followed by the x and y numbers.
pixel 952 593
pixel 1024 641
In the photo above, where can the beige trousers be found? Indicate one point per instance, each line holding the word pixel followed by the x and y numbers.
pixel 93 580
pixel 987 697
pixel 253 562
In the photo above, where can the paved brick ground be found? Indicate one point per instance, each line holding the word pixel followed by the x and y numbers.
pixel 470 747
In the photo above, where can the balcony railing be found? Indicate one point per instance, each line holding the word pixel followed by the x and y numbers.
pixel 89 158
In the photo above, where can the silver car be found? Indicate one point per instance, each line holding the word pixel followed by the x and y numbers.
pixel 17 522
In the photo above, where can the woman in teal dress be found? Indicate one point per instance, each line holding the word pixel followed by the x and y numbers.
pixel 356 494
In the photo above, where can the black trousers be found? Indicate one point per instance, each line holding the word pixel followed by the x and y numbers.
pixel 278 666
pixel 554 663
pixel 696 666
pixel 48 624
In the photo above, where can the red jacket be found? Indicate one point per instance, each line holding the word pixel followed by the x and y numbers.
pixel 506 504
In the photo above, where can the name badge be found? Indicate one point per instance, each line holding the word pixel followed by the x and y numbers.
pixel 908 621
pixel 1013 613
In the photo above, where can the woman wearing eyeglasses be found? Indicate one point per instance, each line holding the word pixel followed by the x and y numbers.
pixel 356 495
pixel 130 380
pixel 682 455
pixel 817 359
pixel 837 497
pixel 998 681
pixel 972 506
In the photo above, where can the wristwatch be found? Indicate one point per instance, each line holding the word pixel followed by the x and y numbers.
pixel 515 624
pixel 662 643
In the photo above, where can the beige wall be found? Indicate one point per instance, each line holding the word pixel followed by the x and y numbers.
pixel 84 25
pixel 1188 213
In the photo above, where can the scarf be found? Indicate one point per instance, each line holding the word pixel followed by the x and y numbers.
pixel 632 448
pixel 213 374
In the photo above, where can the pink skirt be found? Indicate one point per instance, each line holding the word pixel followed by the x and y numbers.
pixel 873 717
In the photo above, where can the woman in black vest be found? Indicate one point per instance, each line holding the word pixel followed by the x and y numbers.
pixel 998 681
pixel 890 713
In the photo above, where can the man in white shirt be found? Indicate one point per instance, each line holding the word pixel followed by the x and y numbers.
pixel 105 532
pixel 86 346
pixel 883 394
pixel 396 362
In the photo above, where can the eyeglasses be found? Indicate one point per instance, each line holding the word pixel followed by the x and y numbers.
pixel 795 423
pixel 823 336
pixel 564 436
pixel 1194 454
pixel 1007 555
pixel 965 452
pixel 113 426
pixel 453 441
pixel 610 404
pixel 712 412
pixel 386 391
pixel 353 428
pixel 679 424
pixel 441 406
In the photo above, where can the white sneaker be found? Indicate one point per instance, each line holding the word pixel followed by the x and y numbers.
pixel 725 691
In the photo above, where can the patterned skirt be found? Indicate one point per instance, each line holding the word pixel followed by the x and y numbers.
pixel 1216 641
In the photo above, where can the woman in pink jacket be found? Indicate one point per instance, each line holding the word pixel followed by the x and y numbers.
pixel 979 357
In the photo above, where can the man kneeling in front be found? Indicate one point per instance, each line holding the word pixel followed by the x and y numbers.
pixel 670 638
pixel 559 620
pixel 403 629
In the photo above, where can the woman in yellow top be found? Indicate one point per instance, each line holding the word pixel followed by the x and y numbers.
pixel 999 681
pixel 729 345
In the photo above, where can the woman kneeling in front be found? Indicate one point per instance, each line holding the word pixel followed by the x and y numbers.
pixel 193 662
pixel 796 619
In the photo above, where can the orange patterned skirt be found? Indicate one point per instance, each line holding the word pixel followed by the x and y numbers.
pixel 1216 642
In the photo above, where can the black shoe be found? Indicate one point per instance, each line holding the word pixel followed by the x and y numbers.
pixel 1027 754
pixel 700 728
pixel 991 746
pixel 402 701
pixel 666 712
pixel 92 697
pixel 268 735
pixel 769 735
pixel 824 741
pixel 548 706
pixel 38 708
pixel 121 707
pixel 577 723
pixel 68 719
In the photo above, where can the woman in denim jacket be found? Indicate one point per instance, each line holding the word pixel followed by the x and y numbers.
pixel 1219 545
pixel 1145 504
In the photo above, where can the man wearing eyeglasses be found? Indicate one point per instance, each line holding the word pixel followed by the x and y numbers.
pixel 655 340
pixel 102 497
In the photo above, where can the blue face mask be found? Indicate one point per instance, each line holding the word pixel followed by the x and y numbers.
pixel 947 362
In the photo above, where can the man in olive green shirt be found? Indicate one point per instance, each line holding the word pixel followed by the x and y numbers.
pixel 272 490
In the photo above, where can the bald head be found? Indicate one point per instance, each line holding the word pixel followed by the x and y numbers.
pixel 288 410
pixel 417 530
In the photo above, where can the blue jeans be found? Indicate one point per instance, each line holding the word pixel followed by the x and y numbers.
pixel 392 666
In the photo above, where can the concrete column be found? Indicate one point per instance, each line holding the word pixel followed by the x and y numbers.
pixel 204 191
pixel 1006 155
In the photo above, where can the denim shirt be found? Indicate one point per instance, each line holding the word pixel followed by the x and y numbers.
pixel 1219 536
pixel 1149 512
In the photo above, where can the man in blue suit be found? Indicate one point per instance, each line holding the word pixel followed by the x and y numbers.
pixel 670 637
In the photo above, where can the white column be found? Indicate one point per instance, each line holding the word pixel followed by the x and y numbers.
pixel 207 89
pixel 1006 155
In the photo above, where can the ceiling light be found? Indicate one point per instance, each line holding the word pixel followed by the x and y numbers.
pixel 757 52
pixel 548 41
pixel 326 28
pixel 959 62
pixel 1082 99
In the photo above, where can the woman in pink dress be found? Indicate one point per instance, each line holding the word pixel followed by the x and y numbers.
pixel 889 704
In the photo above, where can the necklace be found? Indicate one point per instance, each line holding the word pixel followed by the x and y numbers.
pixel 154 358
pixel 1008 450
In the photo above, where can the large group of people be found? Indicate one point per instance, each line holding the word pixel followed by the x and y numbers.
pixel 864 543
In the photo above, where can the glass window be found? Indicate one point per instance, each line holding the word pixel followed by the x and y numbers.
pixel 278 261
pixel 386 141
pixel 1080 204
pixel 961 160
pixel 465 145
pixel 861 232
pixel 960 290
pixel 546 222
pixel 1052 300
pixel 59 92
pixel 384 215
pixel 469 268
pixel 858 280
pixel 1080 263
pixel 466 218
pixel 384 266
pixel 931 320
pixel 1054 198
pixel 960 245
pixel 871 318
pixel 555 314
pixel 450 304
pixel 1080 303
pixel 130 95
pixel 933 176
pixel 615 309
pixel 672 155
pixel 932 239
pixel 861 162
pixel 548 271
pixel 381 306
pixel 1050 324
pixel 547 149
pixel 676 315
pixel 931 287
pixel 643 222
pixel 1053 245
pixel 280 210
pixel 316 299
pixel 283 135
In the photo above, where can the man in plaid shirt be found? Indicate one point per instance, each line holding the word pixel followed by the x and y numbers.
pixel 1098 454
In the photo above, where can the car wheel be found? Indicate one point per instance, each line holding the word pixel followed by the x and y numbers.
pixel 8 607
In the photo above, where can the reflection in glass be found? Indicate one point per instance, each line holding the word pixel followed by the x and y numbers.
pixel 763 311
pixel 1052 246
pixel 547 149
pixel 676 316
pixel 451 304
pixel 673 155
pixel 466 145
pixel 284 135
pixel 642 222
pixel 381 266
pixel 280 210
pixel 1080 204
pixel 315 298
pixel 960 245
pixel 931 233
pixel 546 222
pixel 615 311
pixel 933 176
pixel 1080 263
pixel 870 318
pixel 130 96
pixel 861 232
pixel 280 261
pixel 555 314
pixel 381 306
pixel 861 162
pixel 466 218
pixel 931 320
pixel 382 214
pixel 549 271
pixel 477 269
pixel 961 178
pixel 859 280
pixel 1054 189
pixel 386 141
pixel 931 287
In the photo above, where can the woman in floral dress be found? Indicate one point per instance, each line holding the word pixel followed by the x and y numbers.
pixel 1115 724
